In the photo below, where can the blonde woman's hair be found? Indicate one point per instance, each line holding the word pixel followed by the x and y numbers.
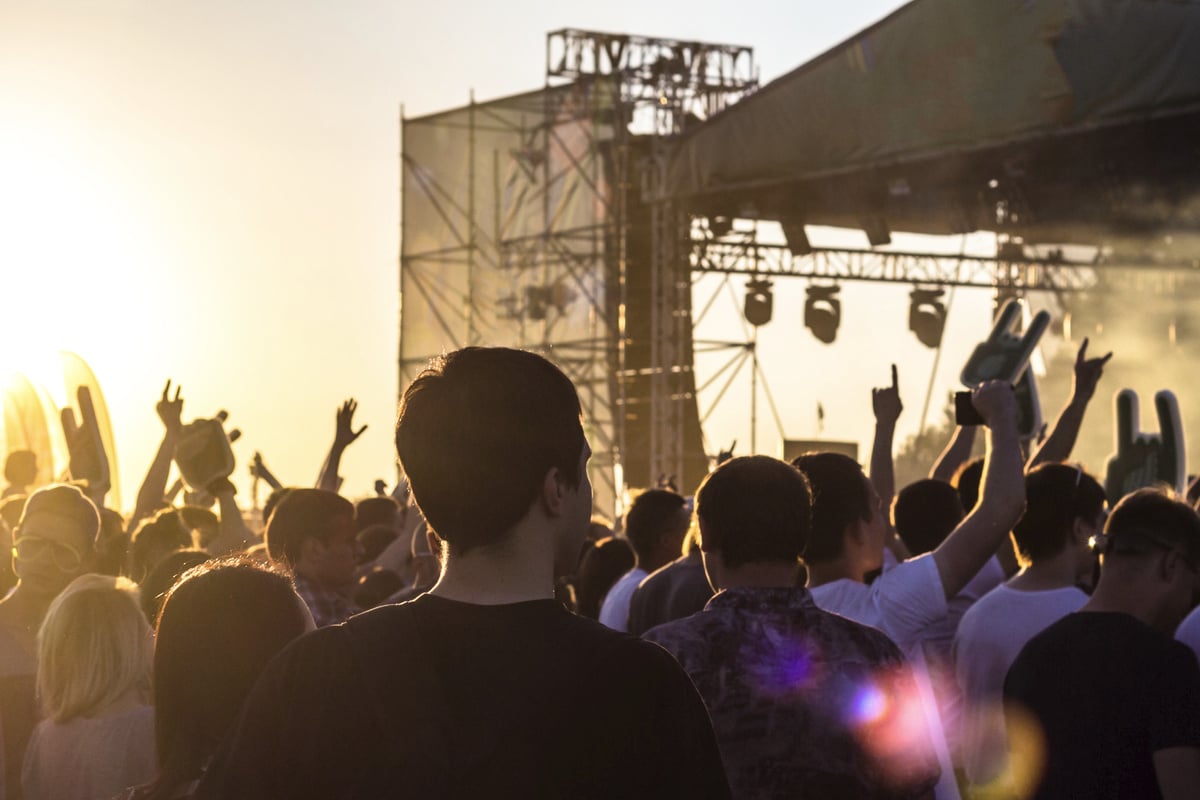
pixel 93 647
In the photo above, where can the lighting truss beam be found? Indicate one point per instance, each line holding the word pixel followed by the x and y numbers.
pixel 981 272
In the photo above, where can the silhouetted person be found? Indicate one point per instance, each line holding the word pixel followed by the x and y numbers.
pixel 1114 700
pixel 655 524
pixel 480 686
pixel 20 470
pixel 784 680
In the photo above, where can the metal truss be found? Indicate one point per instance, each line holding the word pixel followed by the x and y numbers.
pixel 698 78
pixel 1014 274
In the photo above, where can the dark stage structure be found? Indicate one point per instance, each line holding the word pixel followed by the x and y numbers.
pixel 573 219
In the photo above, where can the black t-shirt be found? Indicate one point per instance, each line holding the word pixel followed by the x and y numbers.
pixel 436 698
pixel 1107 691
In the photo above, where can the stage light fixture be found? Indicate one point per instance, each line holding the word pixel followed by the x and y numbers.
pixel 927 315
pixel 760 302
pixel 797 237
pixel 823 312
pixel 876 229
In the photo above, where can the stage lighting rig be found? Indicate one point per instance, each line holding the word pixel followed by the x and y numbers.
pixel 823 312
pixel 760 301
pixel 927 315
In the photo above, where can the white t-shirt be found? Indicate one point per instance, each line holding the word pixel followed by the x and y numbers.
pixel 990 636
pixel 1188 631
pixel 903 602
pixel 614 611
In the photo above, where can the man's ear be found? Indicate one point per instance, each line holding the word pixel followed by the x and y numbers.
pixel 1080 531
pixel 553 492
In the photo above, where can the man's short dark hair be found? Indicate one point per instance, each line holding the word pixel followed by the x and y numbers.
pixel 1055 496
pixel 755 509
pixel 1148 520
pixel 476 434
pixel 925 513
pixel 839 498
pixel 303 514
pixel 650 515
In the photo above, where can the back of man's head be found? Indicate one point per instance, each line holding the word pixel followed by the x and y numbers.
pixel 154 538
pixel 477 434
pixel 381 510
pixel 652 515
pixel 1148 521
pixel 755 509
pixel 1056 495
pixel 924 514
pixel 303 514
pixel 20 467
pixel 839 498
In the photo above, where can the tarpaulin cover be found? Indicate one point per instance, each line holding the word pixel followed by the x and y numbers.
pixel 945 77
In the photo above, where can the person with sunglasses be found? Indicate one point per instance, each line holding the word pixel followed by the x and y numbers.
pixel 53 544
pixel 1104 702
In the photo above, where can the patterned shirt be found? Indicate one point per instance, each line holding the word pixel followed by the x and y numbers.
pixel 805 703
pixel 327 607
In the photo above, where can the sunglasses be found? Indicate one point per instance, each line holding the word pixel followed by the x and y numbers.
pixel 64 556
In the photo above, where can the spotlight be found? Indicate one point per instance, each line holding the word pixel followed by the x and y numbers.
pixel 927 315
pixel 823 312
pixel 760 302
pixel 797 237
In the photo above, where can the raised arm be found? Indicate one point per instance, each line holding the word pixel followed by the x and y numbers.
pixel 1058 444
pixel 1001 497
pixel 154 485
pixel 258 469
pixel 344 435
pixel 887 407
pixel 232 534
pixel 957 452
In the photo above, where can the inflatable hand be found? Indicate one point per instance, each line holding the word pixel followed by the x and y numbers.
pixel 203 453
pixel 1003 355
pixel 1145 459
pixel 88 461
pixel 1029 406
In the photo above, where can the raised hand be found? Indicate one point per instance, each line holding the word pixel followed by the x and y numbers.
pixel 996 402
pixel 1087 372
pixel 1145 459
pixel 88 461
pixel 1003 355
pixel 886 401
pixel 170 410
pixel 345 434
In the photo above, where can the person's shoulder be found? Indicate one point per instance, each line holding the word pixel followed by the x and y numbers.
pixel 848 635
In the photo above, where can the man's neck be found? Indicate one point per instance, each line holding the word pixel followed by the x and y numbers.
pixel 1046 574
pixel 766 575
pixel 515 570
pixel 829 571
pixel 1122 596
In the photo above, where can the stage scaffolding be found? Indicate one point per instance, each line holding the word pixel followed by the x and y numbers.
pixel 526 222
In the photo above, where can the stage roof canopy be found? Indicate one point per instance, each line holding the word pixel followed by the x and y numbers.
pixel 1059 120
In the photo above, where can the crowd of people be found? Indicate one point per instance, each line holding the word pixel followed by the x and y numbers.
pixel 800 629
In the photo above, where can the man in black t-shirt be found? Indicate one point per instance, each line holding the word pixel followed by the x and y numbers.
pixel 1106 698
pixel 484 686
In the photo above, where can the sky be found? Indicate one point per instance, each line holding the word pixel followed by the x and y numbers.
pixel 209 192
